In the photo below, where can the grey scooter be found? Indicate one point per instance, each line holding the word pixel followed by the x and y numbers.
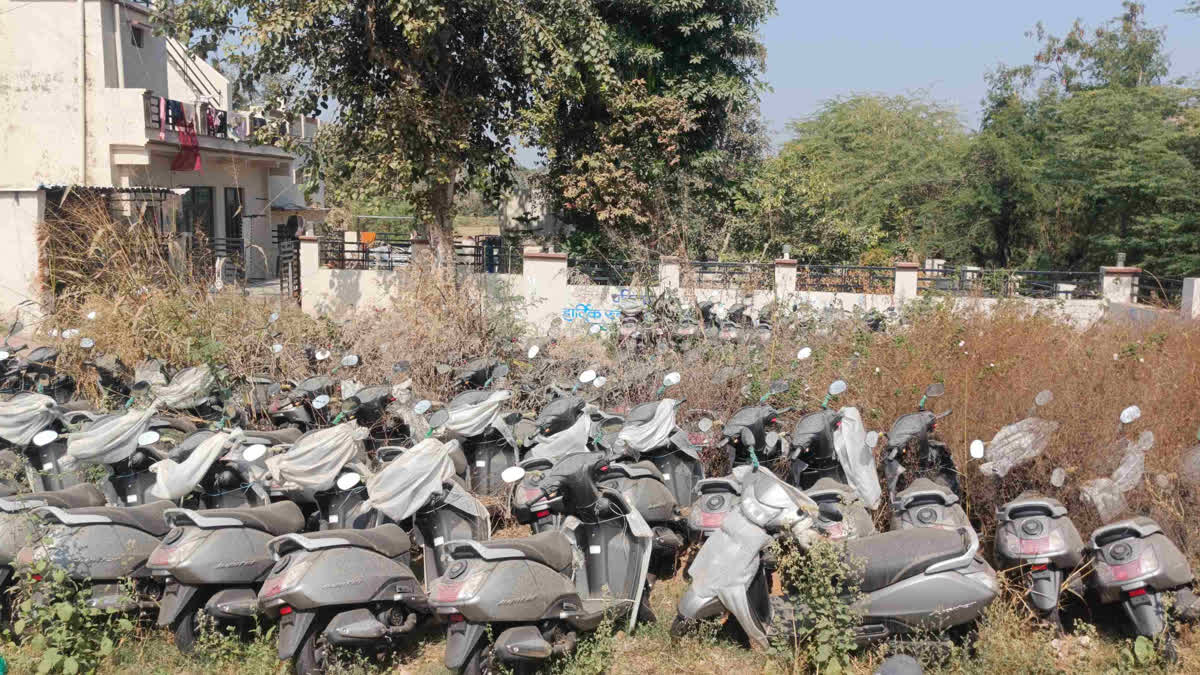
pixel 541 591
pixel 932 497
pixel 1035 534
pixel 927 579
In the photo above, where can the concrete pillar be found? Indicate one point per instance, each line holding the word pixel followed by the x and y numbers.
pixel 547 288
pixel 668 272
pixel 785 277
pixel 1117 284
pixel 905 286
pixel 1190 307
pixel 310 264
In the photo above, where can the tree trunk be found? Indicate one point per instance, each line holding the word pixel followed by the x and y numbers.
pixel 441 230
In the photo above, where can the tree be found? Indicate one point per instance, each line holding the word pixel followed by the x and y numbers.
pixel 429 93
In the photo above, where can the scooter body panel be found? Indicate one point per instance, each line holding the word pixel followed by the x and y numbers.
pixel 504 591
pixel 220 557
pixel 932 602
pixel 335 577
pixel 100 551
pixel 16 532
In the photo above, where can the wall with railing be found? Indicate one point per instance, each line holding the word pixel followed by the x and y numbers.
pixel 342 274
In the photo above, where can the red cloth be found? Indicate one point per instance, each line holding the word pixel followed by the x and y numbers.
pixel 188 158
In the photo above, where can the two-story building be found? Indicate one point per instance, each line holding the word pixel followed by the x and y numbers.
pixel 90 95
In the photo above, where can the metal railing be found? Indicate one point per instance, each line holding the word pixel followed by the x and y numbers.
pixel 208 120
pixel 713 274
pixel 384 251
pixel 490 255
pixel 845 279
pixel 998 283
pixel 583 272
pixel 1160 291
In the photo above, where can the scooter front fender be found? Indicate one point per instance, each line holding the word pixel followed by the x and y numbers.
pixel 461 639
pixel 697 607
pixel 176 599
pixel 293 628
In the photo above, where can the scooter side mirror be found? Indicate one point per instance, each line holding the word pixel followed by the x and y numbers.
pixel 320 401
pixel 253 453
pixel 595 329
pixel 439 419
pixel 422 406
pixel 512 418
pixel 935 390
pixel 587 376
pixel 837 388
pixel 779 387
pixel 671 379
pixel 1130 414
pixel 401 367
pixel 500 371
pixel 321 354
pixel 45 437
pixel 443 369
pixel 273 317
pixel 512 474
pixel 1043 397
pixel 705 425
pixel 87 343
pixel 3 355
pixel 976 449
pixel 532 353
pixel 276 348
pixel 747 437
pixel 599 381
pixel 348 480
pixel 350 360
pixel 149 438
pixel 804 353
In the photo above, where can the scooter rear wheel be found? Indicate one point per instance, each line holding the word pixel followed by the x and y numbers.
pixel 312 658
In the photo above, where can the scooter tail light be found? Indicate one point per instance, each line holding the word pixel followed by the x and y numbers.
pixel 1137 592
pixel 285 610
pixel 1147 563
pixel 1035 546
pixel 708 519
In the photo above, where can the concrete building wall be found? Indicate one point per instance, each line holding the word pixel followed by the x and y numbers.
pixel 20 212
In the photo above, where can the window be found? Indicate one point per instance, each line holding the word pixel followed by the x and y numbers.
pixel 137 36
pixel 234 211
pixel 197 215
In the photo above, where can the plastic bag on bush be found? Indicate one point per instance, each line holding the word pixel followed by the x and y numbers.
pixel 1016 444
pixel 188 389
pixel 1102 494
pixel 22 416
pixel 317 457
pixel 1133 464
pixel 406 483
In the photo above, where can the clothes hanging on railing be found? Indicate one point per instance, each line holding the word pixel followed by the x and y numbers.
pixel 162 118
pixel 188 158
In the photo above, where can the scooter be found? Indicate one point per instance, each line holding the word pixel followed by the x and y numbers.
pixel 650 432
pixel 306 472
pixel 749 436
pixel 1137 565
pixel 319 607
pixel 535 595
pixel 932 497
pixel 1035 533
pixel 33 424
pixel 475 418
pixel 923 580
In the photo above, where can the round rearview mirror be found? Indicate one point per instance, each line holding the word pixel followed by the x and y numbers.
pixel 439 419
pixel 599 381
pixel 587 376
pixel 45 437
pixel 1130 414
pixel 253 453
pixel 321 354
pixel 320 401
pixel 705 425
pixel 837 387
pixel 671 379
pixel 512 474
pixel 273 317
pixel 1058 477
pixel 350 360
pixel 500 371
pixel 747 437
pixel 3 355
pixel 443 369
pixel 533 352
pixel 91 315
pixel 401 367
pixel 595 329
pixel 772 439
pixel 804 353
pixel 779 386
pixel 149 438
pixel 934 390
pixel 70 333
pixel 976 449
pixel 1043 397
pixel 422 406
pixel 276 348
pixel 87 343
pixel 348 480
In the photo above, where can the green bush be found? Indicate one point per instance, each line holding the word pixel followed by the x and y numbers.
pixel 822 586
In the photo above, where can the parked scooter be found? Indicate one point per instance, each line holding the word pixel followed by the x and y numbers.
pixel 1137 565
pixel 926 580
pixel 931 497
pixel 1034 533
pixel 750 436
pixel 319 607
pixel 307 473
pixel 33 424
pixel 531 592
pixel 476 420
pixel 650 432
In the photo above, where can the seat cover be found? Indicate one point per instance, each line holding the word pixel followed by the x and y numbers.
pixel 389 540
pixel 887 558
pixel 24 415
pixel 147 518
pixel 551 548
pixel 278 518
pixel 75 497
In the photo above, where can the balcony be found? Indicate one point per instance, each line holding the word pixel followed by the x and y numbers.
pixel 211 122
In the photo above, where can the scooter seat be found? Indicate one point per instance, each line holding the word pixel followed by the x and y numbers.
pixel 389 540
pixel 926 491
pixel 887 558
pixel 147 518
pixel 276 437
pixel 551 548
pixel 276 519
pixel 74 497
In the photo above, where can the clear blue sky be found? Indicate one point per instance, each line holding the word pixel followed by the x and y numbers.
pixel 820 50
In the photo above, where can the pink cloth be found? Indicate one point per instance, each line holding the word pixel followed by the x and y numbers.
pixel 162 118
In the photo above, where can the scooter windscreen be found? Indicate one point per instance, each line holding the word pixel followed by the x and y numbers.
pixel 559 414
pixel 566 487
pixel 912 425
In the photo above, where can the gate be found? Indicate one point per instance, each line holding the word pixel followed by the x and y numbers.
pixel 289 269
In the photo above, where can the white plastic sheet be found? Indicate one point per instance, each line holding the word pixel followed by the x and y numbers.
pixel 315 460
pixel 110 440
pixel 22 416
pixel 1129 472
pixel 570 440
pixel 174 480
pixel 856 457
pixel 1102 494
pixel 654 433
pixel 1016 444
pixel 187 389
pixel 417 425
pixel 473 420
pixel 407 483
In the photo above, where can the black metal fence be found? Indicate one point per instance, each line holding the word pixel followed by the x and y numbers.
pixel 584 272
pixel 998 283
pixel 490 255
pixel 845 279
pixel 378 251
pixel 288 268
pixel 713 274
pixel 1160 291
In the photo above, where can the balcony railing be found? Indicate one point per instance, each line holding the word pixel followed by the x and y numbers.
pixel 207 120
